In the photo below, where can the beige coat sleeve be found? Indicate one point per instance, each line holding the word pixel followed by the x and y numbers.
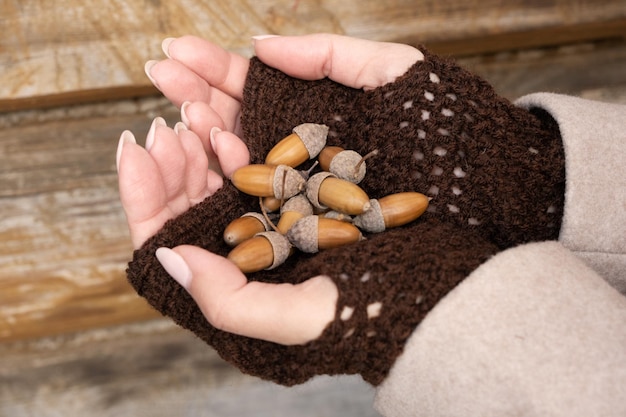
pixel 594 222
pixel 540 329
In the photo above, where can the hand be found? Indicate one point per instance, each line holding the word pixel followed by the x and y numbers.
pixel 169 176
pixel 489 167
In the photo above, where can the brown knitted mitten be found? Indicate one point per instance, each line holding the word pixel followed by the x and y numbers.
pixel 495 172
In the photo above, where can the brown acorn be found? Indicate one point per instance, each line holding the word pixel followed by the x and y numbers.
pixel 245 227
pixel 392 211
pixel 306 142
pixel 279 181
pixel 348 165
pixel 270 204
pixel 325 190
pixel 313 233
pixel 266 250
pixel 293 210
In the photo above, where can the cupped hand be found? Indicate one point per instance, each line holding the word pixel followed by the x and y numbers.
pixel 438 129
pixel 179 167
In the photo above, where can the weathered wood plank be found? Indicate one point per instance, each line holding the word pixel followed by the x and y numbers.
pixel 71 51
pixel 63 242
pixel 63 238
pixel 156 370
pixel 577 69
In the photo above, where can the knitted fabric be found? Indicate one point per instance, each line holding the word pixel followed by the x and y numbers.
pixel 495 172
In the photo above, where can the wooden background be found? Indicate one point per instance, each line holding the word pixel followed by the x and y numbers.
pixel 71 79
pixel 95 49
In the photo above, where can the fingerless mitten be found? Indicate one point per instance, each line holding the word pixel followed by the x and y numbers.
pixel 495 174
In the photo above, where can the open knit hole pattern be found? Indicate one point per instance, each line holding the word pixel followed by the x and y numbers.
pixel 360 318
pixel 372 309
pixel 442 161
pixel 441 121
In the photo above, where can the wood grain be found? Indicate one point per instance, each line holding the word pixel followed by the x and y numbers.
pixel 69 52
pixel 63 239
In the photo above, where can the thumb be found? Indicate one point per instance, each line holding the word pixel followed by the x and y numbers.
pixel 356 63
pixel 282 313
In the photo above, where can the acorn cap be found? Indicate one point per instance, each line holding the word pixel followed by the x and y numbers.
pixel 280 246
pixel 372 220
pixel 298 203
pixel 259 217
pixel 337 215
pixel 288 179
pixel 313 137
pixel 344 163
pixel 303 234
pixel 313 188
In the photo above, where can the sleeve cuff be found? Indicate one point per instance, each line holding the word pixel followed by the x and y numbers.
pixel 594 139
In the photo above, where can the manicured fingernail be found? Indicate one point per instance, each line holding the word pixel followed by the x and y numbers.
pixel 126 137
pixel 158 121
pixel 165 45
pixel 179 127
pixel 183 113
pixel 175 265
pixel 147 69
pixel 214 131
pixel 261 37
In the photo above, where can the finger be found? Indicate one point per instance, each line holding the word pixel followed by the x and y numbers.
pixel 221 69
pixel 196 165
pixel 214 182
pixel 356 63
pixel 205 143
pixel 201 118
pixel 164 146
pixel 232 152
pixel 281 313
pixel 177 82
pixel 142 193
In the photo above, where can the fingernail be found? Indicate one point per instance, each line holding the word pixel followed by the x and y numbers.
pixel 183 113
pixel 158 121
pixel 165 46
pixel 179 127
pixel 214 131
pixel 175 265
pixel 261 37
pixel 126 137
pixel 147 69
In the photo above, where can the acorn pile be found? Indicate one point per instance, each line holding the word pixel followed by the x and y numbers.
pixel 316 212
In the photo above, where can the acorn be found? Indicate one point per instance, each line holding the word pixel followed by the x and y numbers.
pixel 279 181
pixel 348 165
pixel 306 142
pixel 244 227
pixel 325 190
pixel 313 233
pixel 266 250
pixel 270 204
pixel 293 210
pixel 392 211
